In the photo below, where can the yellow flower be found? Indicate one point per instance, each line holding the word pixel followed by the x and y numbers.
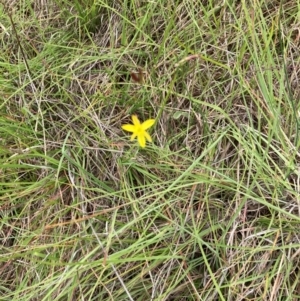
pixel 139 130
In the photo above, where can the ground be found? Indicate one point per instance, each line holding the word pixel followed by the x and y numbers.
pixel 209 210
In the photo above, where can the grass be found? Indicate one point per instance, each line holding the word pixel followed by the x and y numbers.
pixel 209 210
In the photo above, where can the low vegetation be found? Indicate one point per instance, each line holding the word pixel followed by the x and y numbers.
pixel 207 210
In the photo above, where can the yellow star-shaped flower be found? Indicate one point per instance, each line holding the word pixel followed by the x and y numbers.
pixel 139 130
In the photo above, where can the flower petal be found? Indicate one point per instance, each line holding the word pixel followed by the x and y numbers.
pixel 135 120
pixel 142 140
pixel 148 123
pixel 148 137
pixel 128 127
pixel 133 136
